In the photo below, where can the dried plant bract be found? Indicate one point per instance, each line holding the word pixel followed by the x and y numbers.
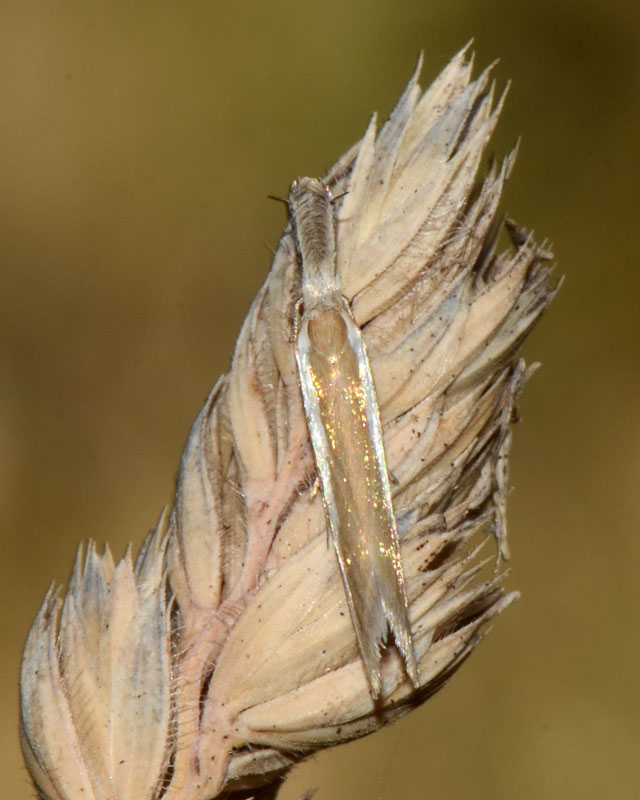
pixel 228 653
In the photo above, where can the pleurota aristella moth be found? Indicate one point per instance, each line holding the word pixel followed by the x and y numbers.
pixel 344 425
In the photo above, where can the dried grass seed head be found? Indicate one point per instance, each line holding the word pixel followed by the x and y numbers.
pixel 228 653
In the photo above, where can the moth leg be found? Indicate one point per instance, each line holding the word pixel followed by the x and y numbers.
pixel 297 317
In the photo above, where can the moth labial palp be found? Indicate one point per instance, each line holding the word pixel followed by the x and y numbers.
pixel 343 418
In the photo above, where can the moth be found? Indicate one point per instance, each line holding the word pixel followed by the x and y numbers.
pixel 343 417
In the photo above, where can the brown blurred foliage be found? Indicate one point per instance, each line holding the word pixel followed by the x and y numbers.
pixel 138 143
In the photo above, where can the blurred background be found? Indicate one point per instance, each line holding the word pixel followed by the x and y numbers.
pixel 138 144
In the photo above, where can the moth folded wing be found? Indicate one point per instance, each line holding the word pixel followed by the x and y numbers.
pixel 391 582
pixel 340 409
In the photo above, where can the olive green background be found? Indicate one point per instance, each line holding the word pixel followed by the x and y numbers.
pixel 138 144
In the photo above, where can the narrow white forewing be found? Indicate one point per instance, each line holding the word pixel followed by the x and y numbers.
pixel 346 434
